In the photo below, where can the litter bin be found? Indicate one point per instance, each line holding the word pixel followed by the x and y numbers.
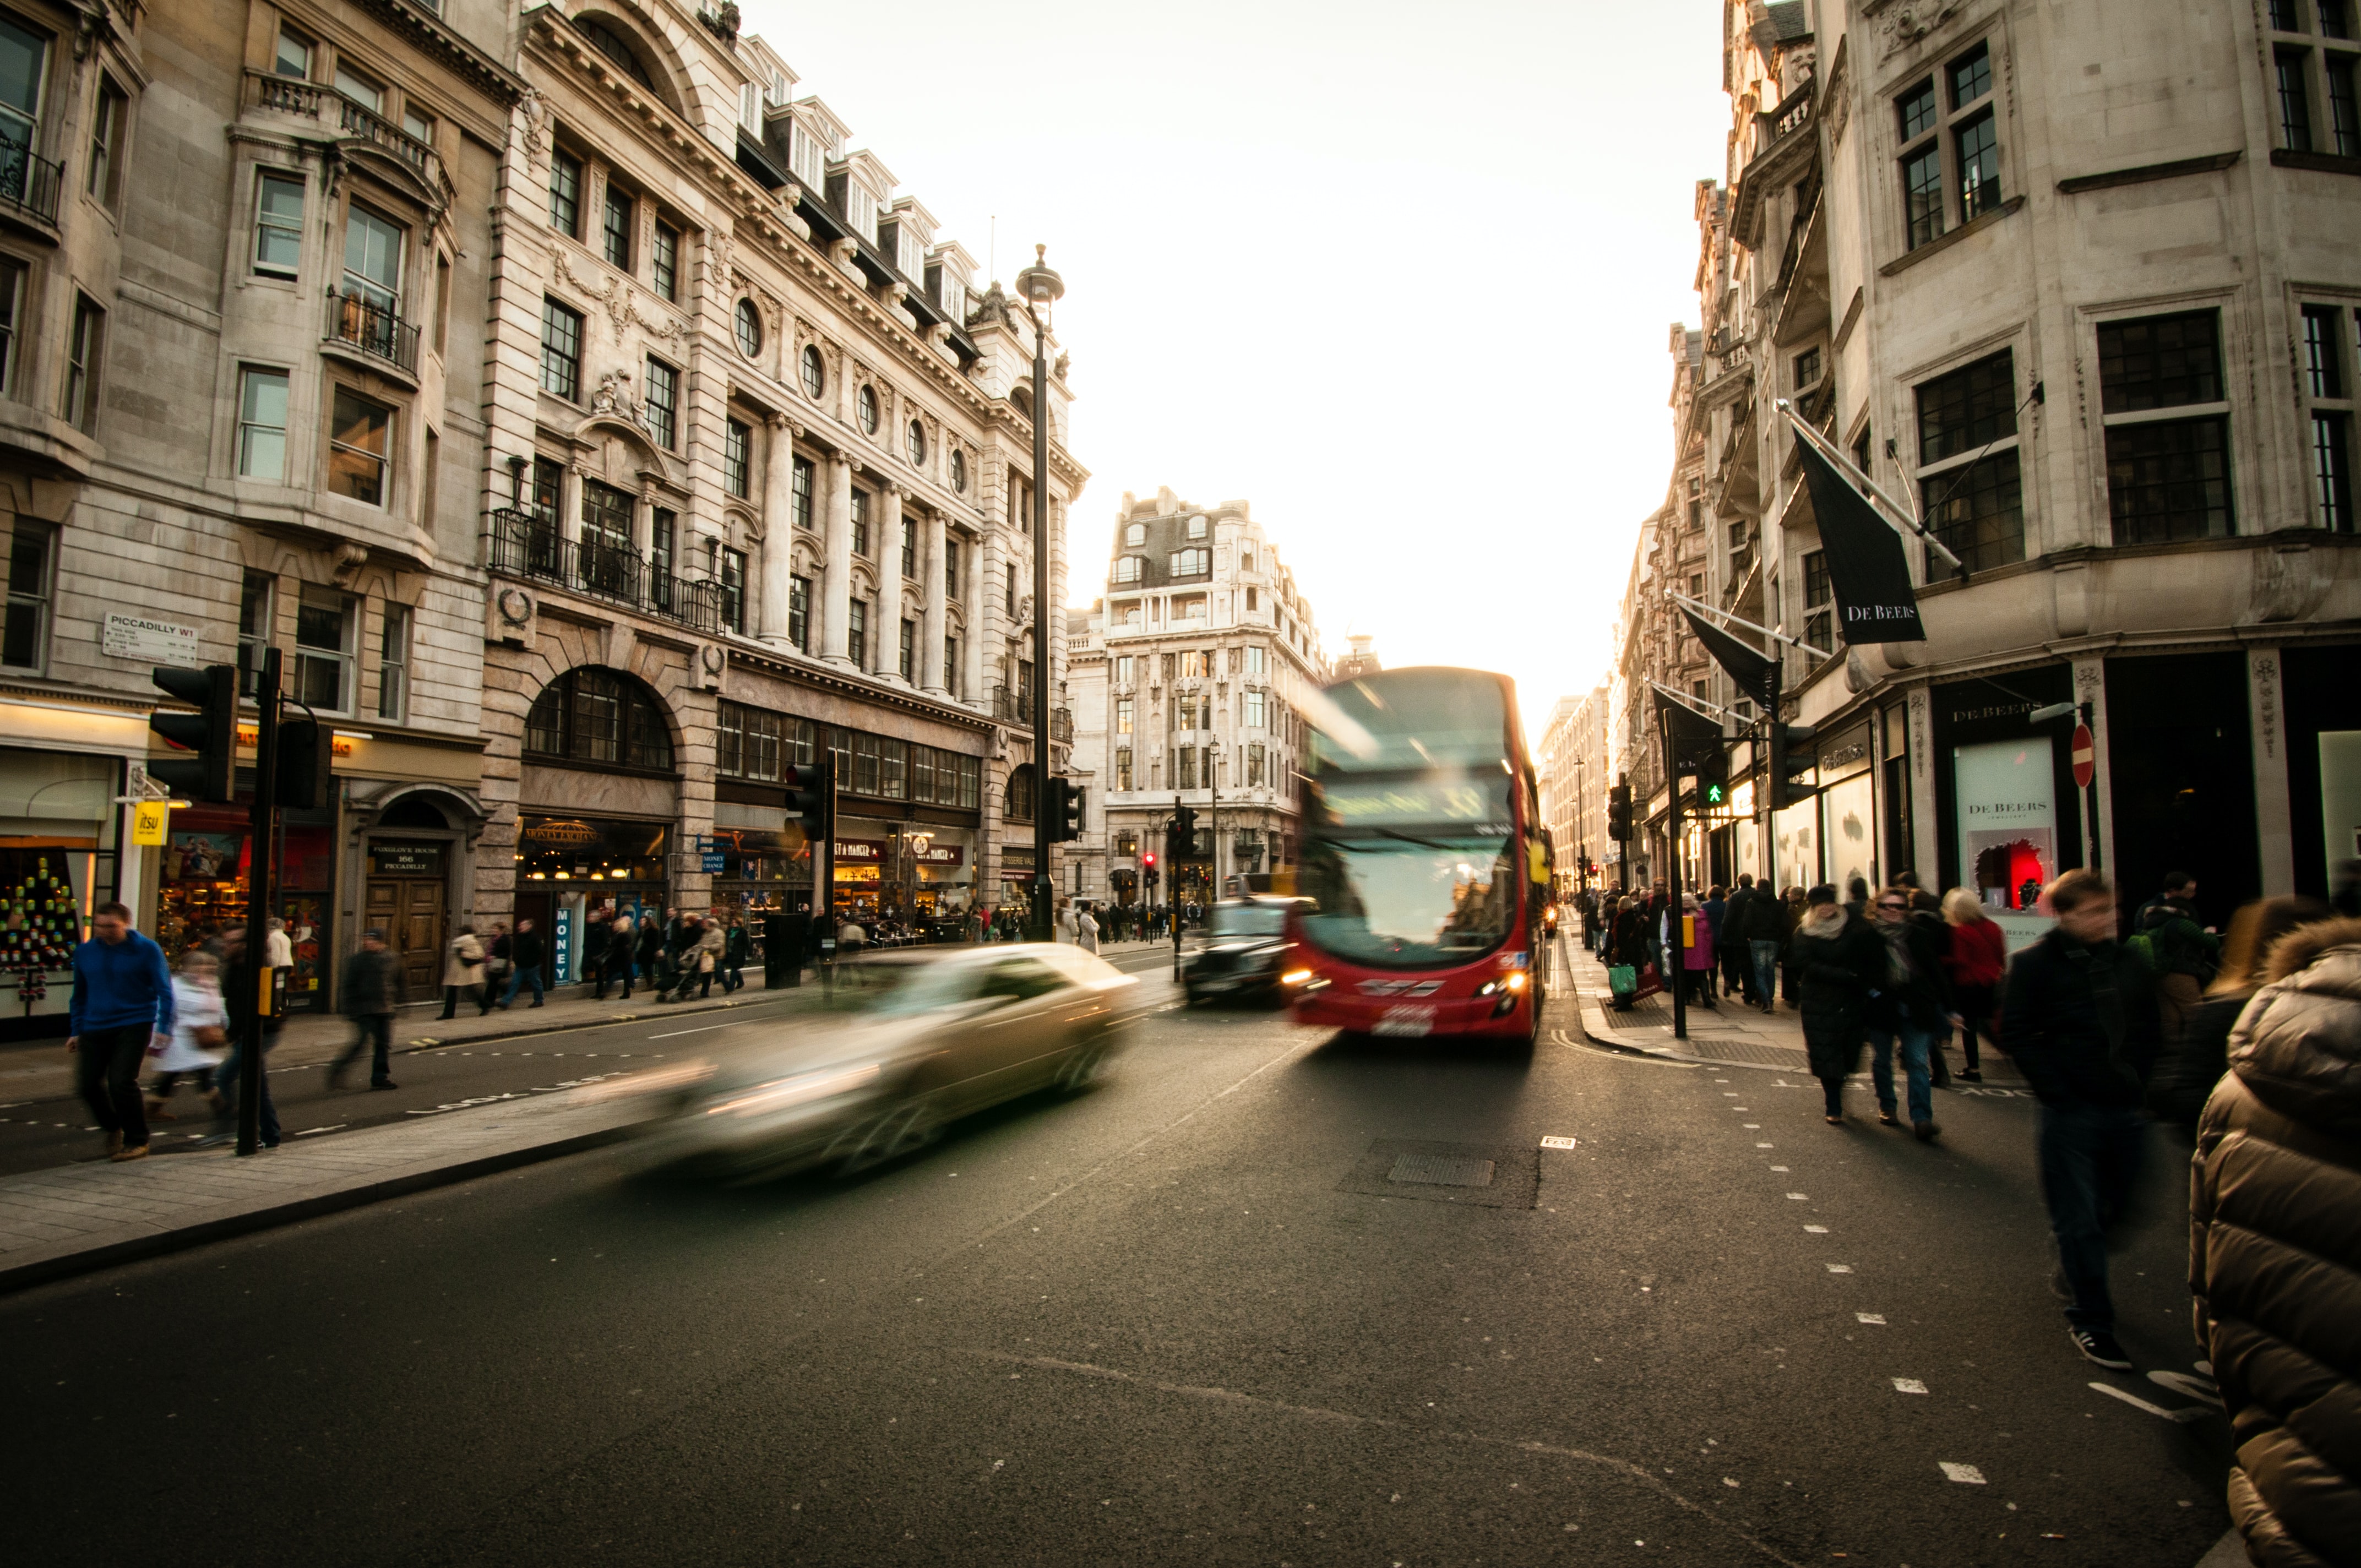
pixel 786 941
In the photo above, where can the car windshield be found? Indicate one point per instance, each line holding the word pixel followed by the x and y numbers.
pixel 1250 919
pixel 1409 901
pixel 899 990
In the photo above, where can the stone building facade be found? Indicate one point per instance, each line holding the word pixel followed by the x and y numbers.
pixel 1573 784
pixel 759 494
pixel 2085 300
pixel 592 430
pixel 243 283
pixel 1187 686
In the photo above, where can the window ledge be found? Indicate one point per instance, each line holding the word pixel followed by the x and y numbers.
pixel 1903 263
pixel 2147 171
pixel 2318 162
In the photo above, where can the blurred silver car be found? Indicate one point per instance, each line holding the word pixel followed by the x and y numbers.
pixel 907 1043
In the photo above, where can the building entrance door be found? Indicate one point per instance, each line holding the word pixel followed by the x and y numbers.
pixel 408 893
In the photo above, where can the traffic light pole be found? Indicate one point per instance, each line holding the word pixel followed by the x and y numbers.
pixel 254 971
pixel 1040 920
pixel 1675 931
pixel 1172 881
pixel 1770 792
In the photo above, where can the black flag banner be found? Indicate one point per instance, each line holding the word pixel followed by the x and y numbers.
pixel 1867 569
pixel 1751 670
pixel 1692 735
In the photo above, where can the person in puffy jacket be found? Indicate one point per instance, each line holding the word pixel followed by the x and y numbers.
pixel 2275 1252
pixel 1839 963
pixel 2194 1062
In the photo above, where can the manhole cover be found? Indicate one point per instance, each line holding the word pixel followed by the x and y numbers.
pixel 1441 1170
pixel 1427 1171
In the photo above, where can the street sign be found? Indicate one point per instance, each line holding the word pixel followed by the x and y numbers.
pixel 712 862
pixel 2086 757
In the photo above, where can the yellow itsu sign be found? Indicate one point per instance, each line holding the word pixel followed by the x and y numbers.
pixel 148 820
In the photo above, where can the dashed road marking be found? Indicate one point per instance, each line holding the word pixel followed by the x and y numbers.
pixel 1839 1267
pixel 1909 1386
pixel 1965 1475
pixel 1798 1198
pixel 1557 1142
pixel 1876 1318
pixel 2189 1413
pixel 1815 1230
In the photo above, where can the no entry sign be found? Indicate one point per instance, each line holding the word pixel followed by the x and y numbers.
pixel 2086 757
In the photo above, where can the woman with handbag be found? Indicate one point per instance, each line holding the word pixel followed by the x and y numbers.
pixel 463 968
pixel 200 1036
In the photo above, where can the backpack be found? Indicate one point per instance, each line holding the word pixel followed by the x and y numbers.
pixel 2143 948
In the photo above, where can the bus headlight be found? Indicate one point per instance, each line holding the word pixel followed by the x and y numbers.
pixel 1295 977
pixel 1517 981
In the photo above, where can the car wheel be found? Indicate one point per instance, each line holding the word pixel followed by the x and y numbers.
pixel 894 1133
pixel 1083 1067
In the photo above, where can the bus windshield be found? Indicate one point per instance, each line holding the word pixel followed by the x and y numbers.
pixel 1410 848
pixel 1398 898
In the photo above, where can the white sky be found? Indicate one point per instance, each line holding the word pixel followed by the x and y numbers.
pixel 1399 274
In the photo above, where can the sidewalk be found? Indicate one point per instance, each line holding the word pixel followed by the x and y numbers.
pixel 40 1069
pixel 78 1218
pixel 1730 1033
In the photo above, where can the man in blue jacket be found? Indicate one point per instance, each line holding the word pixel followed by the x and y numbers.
pixel 122 1005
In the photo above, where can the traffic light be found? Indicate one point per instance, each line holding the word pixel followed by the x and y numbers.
pixel 1183 845
pixel 1792 754
pixel 811 799
pixel 306 762
pixel 211 732
pixel 1148 875
pixel 1619 812
pixel 1067 802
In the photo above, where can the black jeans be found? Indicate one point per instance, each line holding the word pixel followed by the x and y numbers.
pixel 106 1071
pixel 2090 1159
pixel 370 1028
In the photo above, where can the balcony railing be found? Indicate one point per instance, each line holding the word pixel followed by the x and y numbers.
pixel 524 544
pixel 29 183
pixel 309 100
pixel 374 329
pixel 1012 707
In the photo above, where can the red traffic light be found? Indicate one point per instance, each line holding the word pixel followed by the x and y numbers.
pixel 1148 858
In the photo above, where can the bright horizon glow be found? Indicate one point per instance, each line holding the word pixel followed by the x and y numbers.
pixel 1401 276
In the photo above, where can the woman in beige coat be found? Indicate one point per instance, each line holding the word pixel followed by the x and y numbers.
pixel 463 968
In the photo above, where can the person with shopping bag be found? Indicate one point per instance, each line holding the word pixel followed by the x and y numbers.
pixel 462 969
pixel 199 1038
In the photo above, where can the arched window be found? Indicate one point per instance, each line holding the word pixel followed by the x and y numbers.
pixel 1126 568
pixel 599 718
pixel 815 371
pixel 867 407
pixel 1023 398
pixel 1020 804
pixel 608 41
pixel 749 329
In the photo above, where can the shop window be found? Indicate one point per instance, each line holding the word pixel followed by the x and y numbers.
pixel 393 664
pixel 323 650
pixel 24 638
pixel 599 718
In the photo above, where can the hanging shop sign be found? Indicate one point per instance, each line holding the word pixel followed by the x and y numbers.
pixel 149 818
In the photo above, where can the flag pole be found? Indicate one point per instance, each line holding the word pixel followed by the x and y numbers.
pixel 1851 473
pixel 1680 599
pixel 1695 704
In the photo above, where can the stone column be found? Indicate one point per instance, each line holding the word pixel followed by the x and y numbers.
pixel 931 591
pixel 836 593
pixel 887 658
pixel 972 589
pixel 778 529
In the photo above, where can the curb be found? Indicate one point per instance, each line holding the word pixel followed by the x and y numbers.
pixel 90 1260
pixel 429 1043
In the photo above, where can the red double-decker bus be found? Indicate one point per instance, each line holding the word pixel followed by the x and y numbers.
pixel 1423 858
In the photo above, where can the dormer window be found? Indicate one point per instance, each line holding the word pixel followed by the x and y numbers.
pixel 1194 563
pixel 1197 527
pixel 1128 568
pixel 860 210
pixel 807 158
pixel 1135 535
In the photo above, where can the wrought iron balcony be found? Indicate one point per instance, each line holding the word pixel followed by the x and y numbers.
pixel 525 544
pixel 1062 725
pixel 29 183
pixel 375 329
pixel 1012 707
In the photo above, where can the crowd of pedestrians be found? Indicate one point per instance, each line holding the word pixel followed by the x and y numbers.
pixel 2246 1043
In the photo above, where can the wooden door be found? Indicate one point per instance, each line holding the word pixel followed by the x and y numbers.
pixel 408 910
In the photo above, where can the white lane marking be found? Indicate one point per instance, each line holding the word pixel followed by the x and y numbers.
pixel 1727 1093
pixel 1815 1230
pixel 1763 1145
pixel 1965 1475
pixel 1742 1107
pixel 1839 1268
pixel 309 1130
pixel 1876 1318
pixel 1909 1386
pixel 1779 1168
pixel 700 1029
pixel 2193 1413
pixel 1557 1142
pixel 1754 1126
pixel 2182 1383
pixel 1797 1197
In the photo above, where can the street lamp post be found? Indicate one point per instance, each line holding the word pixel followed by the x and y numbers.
pixel 1040 287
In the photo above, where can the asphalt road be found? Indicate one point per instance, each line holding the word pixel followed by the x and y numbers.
pixel 1183 1318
